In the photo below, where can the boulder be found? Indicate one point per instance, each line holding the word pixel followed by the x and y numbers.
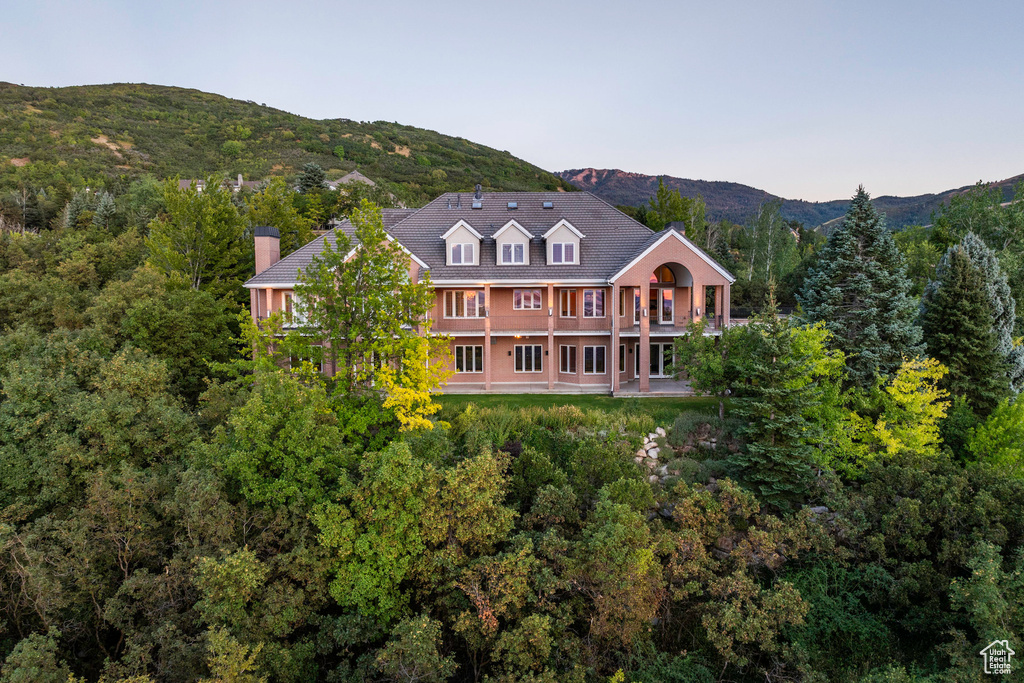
pixel 641 453
pixel 652 436
pixel 654 452
pixel 653 479
pixel 639 460
pixel 660 431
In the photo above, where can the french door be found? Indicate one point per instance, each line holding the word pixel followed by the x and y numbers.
pixel 661 360
pixel 662 308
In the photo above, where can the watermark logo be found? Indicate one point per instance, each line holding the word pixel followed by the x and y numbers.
pixel 997 657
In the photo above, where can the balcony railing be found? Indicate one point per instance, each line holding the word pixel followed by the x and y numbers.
pixel 583 324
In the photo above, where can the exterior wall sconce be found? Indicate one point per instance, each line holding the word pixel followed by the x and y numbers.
pixel 550 310
pixel 643 312
pixel 698 310
pixel 510 353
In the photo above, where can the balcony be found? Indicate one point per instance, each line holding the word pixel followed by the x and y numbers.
pixel 582 324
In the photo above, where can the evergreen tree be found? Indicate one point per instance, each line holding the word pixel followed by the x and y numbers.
pixel 105 210
pixel 957 320
pixel 1001 301
pixel 860 290
pixel 78 203
pixel 311 178
pixel 780 392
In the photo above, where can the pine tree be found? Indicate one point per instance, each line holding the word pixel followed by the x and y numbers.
pixel 105 210
pixel 1003 305
pixel 861 292
pixel 957 319
pixel 311 178
pixel 777 459
pixel 78 203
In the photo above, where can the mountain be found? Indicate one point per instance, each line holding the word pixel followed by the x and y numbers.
pixel 95 133
pixel 736 202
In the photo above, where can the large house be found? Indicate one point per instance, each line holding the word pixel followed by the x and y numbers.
pixel 538 291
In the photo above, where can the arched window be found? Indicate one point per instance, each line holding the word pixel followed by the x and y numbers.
pixel 663 274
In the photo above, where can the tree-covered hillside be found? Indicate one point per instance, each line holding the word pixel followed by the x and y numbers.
pixel 90 134
pixel 736 202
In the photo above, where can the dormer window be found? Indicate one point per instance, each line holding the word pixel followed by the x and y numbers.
pixel 462 253
pixel 512 245
pixel 563 244
pixel 563 252
pixel 462 245
pixel 513 253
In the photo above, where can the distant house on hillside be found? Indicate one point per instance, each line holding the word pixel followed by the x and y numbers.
pixel 352 177
pixel 233 185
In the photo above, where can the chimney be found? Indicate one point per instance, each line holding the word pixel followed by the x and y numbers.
pixel 678 226
pixel 239 181
pixel 477 194
pixel 268 247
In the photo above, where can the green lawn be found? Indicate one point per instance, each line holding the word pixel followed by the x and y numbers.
pixel 661 409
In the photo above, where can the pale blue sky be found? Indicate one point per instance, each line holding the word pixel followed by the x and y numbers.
pixel 803 99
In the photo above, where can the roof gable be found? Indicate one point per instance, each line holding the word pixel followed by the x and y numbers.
pixel 510 225
pixel 672 234
pixel 563 224
pixel 461 224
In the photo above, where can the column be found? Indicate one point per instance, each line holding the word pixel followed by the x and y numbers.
pixel 551 359
pixel 614 350
pixel 726 303
pixel 645 336
pixel 719 299
pixel 270 301
pixel 487 338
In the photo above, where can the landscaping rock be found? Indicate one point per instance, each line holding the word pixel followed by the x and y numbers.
pixel 654 479
pixel 654 452
pixel 642 453
pixel 660 431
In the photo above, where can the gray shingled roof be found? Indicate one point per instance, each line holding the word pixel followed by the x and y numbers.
pixel 611 238
pixel 286 271
pixel 610 235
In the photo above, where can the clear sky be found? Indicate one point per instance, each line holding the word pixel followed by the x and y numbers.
pixel 803 99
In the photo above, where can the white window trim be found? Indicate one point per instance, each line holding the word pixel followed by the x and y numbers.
pixel 604 354
pixel 535 297
pixel 473 348
pixel 296 318
pixel 513 262
pixel 527 372
pixel 575 254
pixel 603 302
pixel 571 293
pixel 481 305
pixel 462 253
pixel 564 348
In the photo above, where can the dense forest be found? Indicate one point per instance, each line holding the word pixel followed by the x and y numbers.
pixel 57 140
pixel 844 507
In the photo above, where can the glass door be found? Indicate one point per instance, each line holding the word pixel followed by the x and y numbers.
pixel 661 360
